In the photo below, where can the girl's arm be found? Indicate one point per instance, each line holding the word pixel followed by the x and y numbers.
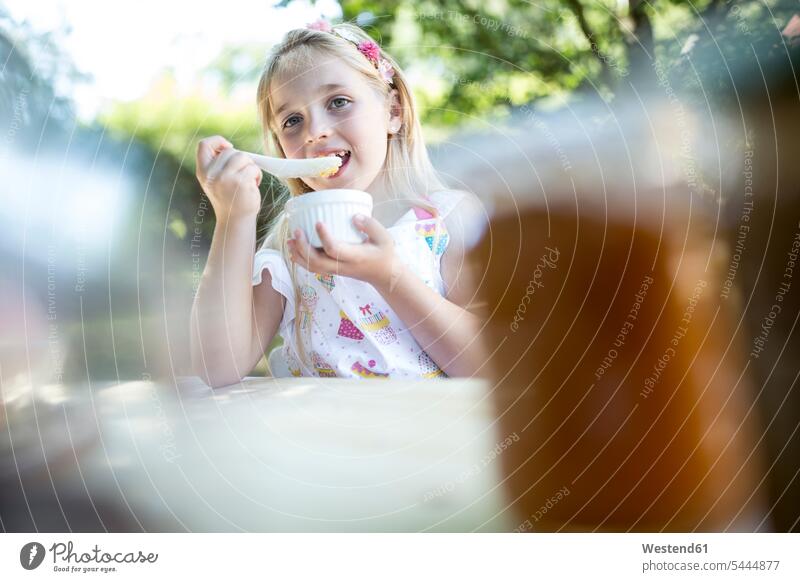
pixel 446 330
pixel 231 321
pixel 444 326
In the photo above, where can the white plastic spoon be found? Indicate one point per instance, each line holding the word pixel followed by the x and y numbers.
pixel 297 168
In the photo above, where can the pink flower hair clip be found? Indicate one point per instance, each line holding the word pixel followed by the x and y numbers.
pixel 368 48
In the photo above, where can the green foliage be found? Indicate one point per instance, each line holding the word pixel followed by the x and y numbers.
pixel 469 60
pixel 485 57
pixel 482 57
pixel 172 124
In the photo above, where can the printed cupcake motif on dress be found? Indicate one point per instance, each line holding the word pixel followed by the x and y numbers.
pixel 429 231
pixel 309 303
pixel 367 371
pixel 429 368
pixel 327 280
pixel 348 329
pixel 377 324
pixel 323 368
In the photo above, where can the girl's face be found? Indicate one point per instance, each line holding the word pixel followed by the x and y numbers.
pixel 331 109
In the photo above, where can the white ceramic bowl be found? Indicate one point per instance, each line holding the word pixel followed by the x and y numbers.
pixel 334 208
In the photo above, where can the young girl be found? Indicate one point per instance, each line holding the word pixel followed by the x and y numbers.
pixel 394 306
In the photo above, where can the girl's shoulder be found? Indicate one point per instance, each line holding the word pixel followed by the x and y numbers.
pixel 458 204
pixel 446 201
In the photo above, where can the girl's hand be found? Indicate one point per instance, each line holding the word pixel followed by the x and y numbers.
pixel 229 178
pixel 372 261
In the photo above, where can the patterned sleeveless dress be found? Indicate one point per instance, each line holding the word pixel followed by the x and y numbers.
pixel 347 329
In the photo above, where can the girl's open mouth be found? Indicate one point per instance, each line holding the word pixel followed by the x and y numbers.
pixel 345 156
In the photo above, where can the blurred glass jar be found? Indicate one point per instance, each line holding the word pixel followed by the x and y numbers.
pixel 620 367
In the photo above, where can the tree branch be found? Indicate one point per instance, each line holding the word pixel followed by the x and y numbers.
pixel 577 9
pixel 641 47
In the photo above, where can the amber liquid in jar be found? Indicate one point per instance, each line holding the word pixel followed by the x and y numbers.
pixel 615 360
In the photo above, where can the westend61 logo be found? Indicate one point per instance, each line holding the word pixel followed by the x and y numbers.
pixel 66 560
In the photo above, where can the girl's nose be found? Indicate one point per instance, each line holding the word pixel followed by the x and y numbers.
pixel 317 129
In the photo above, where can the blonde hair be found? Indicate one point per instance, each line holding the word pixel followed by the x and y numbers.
pixel 407 167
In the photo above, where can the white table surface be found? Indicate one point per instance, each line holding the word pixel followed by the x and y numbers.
pixel 299 454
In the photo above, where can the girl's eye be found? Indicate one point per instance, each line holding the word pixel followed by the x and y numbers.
pixel 289 123
pixel 339 102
